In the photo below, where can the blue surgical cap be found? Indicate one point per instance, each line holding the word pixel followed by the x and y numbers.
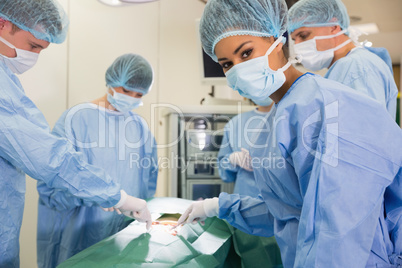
pixel 318 13
pixel 224 18
pixel 132 72
pixel 45 19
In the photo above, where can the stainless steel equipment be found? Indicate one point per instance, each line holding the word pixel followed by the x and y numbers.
pixel 199 132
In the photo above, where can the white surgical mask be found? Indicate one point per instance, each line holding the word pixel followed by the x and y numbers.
pixel 24 60
pixel 313 59
pixel 122 102
pixel 255 80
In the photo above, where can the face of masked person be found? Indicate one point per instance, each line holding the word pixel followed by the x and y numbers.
pixel 124 102
pixel 316 46
pixel 20 50
pixel 248 69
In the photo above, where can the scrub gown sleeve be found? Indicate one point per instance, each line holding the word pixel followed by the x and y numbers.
pixel 59 128
pixel 56 198
pixel 248 214
pixel 227 171
pixel 149 159
pixel 344 162
pixel 52 160
pixel 153 170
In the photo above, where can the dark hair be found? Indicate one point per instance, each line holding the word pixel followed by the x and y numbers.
pixel 15 28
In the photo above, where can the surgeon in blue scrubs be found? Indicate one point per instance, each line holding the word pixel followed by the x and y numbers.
pixel 320 29
pixel 234 162
pixel 329 161
pixel 235 165
pixel 26 144
pixel 110 135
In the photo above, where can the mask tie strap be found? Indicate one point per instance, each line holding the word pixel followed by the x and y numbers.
pixel 342 45
pixel 335 35
pixel 296 59
pixel 7 43
pixel 112 89
pixel 330 36
pixel 274 45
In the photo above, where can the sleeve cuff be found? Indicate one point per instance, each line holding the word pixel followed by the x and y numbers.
pixel 211 207
pixel 123 199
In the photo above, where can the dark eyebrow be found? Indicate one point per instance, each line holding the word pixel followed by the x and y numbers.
pixel 36 45
pixel 297 35
pixel 237 50
pixel 302 32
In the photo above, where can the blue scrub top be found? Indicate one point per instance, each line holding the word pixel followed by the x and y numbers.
pixel 328 179
pixel 239 133
pixel 367 73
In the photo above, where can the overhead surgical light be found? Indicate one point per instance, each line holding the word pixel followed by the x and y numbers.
pixel 116 3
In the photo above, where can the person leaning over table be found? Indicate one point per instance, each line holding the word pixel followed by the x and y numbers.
pixel 330 200
pixel 26 145
pixel 234 165
pixel 110 135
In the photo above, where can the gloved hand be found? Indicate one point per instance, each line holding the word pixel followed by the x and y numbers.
pixel 135 208
pixel 200 210
pixel 241 159
pixel 111 210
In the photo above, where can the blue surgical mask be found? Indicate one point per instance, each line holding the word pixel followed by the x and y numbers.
pixel 266 102
pixel 255 80
pixel 122 102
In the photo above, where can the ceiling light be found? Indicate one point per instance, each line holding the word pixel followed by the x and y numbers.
pixel 116 3
pixel 137 1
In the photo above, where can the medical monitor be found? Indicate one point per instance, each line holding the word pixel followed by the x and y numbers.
pixel 211 72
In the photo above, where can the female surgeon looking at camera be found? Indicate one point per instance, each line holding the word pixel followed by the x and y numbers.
pixel 110 135
pixel 324 174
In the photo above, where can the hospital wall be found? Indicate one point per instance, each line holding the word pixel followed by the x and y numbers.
pixel 73 72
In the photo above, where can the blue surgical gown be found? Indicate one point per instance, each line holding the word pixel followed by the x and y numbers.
pixel 330 157
pixel 383 54
pixel 239 133
pixel 120 143
pixel 366 72
pixel 26 146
